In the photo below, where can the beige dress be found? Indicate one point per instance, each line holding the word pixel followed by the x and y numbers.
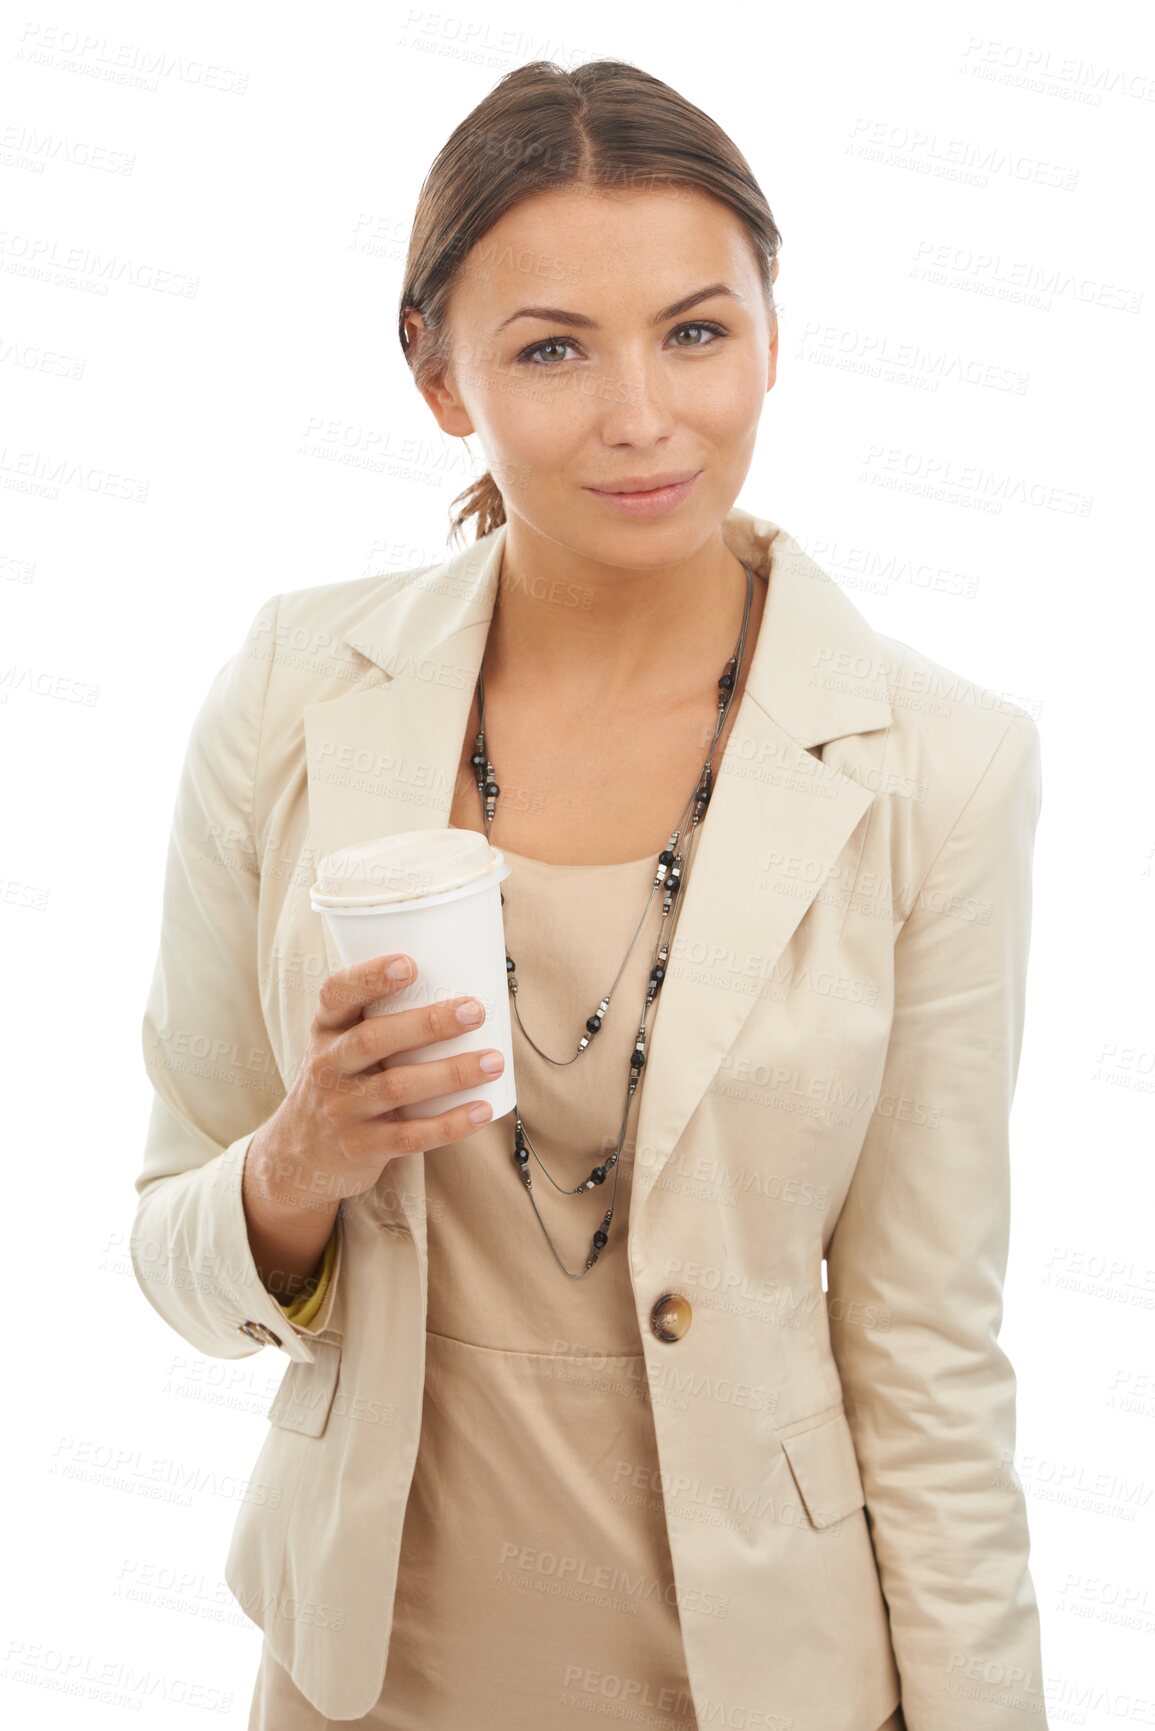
pixel 535 1577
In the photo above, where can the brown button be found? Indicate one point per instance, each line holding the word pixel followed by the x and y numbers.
pixel 671 1316
pixel 258 1331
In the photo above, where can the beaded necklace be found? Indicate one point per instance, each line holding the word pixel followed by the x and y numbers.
pixel 669 876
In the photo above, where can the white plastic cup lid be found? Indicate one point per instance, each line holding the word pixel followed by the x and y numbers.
pixel 403 867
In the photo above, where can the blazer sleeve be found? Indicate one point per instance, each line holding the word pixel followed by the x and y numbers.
pixel 916 1266
pixel 206 1047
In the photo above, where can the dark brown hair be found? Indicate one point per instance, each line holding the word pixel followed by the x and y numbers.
pixel 606 126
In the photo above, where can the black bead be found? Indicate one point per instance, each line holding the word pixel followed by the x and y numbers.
pixel 492 789
pixel 601 1239
pixel 637 1060
pixel 727 682
pixel 658 973
pixel 598 1174
pixel 521 1155
pixel 593 1023
pixel 666 858
pixel 510 964
pixel 478 760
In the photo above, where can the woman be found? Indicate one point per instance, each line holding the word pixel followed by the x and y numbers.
pixel 604 1442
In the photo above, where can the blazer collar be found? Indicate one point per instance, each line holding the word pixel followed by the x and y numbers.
pixel 816 669
pixel 383 757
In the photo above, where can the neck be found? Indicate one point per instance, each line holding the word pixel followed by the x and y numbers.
pixel 592 633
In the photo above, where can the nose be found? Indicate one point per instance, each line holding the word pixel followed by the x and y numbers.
pixel 637 406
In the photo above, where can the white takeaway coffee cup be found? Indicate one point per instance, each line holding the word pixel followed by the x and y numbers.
pixel 435 895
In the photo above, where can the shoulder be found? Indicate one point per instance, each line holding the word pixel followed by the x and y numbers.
pixel 296 648
pixel 310 643
pixel 919 732
pixel 943 721
pixel 297 651
pixel 957 755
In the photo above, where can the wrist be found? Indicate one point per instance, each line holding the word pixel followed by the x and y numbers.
pixel 286 1191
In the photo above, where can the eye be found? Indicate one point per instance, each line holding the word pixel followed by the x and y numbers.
pixel 549 343
pixel 529 357
pixel 701 325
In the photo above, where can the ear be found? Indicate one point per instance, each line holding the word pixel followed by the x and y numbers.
pixel 440 389
pixel 772 359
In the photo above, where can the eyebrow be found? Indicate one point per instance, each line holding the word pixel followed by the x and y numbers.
pixel 559 315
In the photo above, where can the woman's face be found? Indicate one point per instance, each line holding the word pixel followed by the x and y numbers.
pixel 602 385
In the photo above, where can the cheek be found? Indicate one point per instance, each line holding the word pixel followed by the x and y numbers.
pixel 726 406
pixel 531 423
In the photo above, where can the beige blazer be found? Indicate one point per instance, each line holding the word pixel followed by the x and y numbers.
pixel 830 1072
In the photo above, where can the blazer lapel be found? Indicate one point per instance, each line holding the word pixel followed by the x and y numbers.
pixel 384 758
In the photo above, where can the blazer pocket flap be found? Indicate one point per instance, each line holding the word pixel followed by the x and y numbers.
pixel 825 1469
pixel 305 1397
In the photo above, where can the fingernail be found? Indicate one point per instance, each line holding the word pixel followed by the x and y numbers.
pixel 469 1012
pixel 480 1113
pixel 400 970
pixel 492 1063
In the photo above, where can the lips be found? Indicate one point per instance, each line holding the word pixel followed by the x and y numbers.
pixel 647 483
pixel 656 499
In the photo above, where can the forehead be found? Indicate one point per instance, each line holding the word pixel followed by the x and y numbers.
pixel 647 247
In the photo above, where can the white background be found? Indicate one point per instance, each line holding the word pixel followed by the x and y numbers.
pixel 960 434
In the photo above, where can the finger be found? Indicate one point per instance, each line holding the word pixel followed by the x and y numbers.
pixel 344 995
pixel 359 1050
pixel 420 1135
pixel 409 1084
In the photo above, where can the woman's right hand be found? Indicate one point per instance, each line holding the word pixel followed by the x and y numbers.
pixel 337 1128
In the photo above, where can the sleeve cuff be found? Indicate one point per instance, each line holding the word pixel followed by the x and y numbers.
pixel 304 1307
